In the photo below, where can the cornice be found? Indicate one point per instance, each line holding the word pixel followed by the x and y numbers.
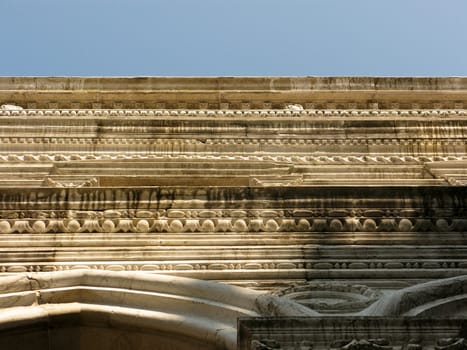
pixel 232 83
pixel 234 92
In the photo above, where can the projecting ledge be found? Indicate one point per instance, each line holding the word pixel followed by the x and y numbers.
pixel 351 333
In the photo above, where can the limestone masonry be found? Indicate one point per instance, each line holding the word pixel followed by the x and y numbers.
pixel 233 213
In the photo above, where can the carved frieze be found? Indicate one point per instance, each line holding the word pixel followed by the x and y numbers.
pixel 356 333
pixel 221 222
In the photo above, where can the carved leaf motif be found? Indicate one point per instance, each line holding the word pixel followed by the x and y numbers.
pixel 362 344
pixel 451 344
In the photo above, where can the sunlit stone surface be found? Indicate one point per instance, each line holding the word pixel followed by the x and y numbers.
pixel 284 201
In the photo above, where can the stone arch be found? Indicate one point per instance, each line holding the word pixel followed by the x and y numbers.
pixel 445 297
pixel 84 309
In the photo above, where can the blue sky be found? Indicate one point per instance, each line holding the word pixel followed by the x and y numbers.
pixel 233 37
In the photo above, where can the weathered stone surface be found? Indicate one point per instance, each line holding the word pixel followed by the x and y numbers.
pixel 268 183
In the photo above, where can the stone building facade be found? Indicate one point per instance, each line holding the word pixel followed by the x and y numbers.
pixel 225 213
